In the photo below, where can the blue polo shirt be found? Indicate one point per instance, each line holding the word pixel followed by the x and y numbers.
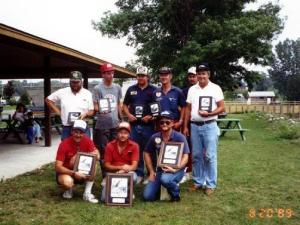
pixel 137 96
pixel 171 100
pixel 154 144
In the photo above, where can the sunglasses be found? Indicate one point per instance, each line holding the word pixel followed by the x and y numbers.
pixel 162 122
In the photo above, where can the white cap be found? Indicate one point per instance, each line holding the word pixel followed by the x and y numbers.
pixel 192 70
pixel 142 70
pixel 80 125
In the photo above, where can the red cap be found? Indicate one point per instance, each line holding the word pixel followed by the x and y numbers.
pixel 106 68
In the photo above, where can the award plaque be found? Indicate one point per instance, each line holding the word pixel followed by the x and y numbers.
pixel 85 163
pixel 73 116
pixel 119 189
pixel 138 111
pixel 104 105
pixel 205 103
pixel 155 109
pixel 170 154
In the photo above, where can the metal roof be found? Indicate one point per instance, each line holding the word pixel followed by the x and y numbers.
pixel 261 94
pixel 25 56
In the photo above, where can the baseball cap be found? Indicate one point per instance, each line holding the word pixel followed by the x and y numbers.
pixel 124 125
pixel 165 70
pixel 192 70
pixel 80 125
pixel 75 75
pixel 166 114
pixel 202 67
pixel 106 67
pixel 142 70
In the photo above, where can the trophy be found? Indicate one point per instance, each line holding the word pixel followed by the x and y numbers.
pixel 205 103
pixel 104 105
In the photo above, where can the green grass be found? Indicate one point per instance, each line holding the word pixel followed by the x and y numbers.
pixel 261 173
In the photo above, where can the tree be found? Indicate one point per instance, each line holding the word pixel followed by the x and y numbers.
pixel 264 83
pixel 8 90
pixel 285 69
pixel 181 33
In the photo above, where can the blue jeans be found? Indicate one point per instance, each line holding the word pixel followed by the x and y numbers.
pixel 204 155
pixel 141 134
pixel 169 180
pixel 67 130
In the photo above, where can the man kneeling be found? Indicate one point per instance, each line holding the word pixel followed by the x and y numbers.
pixel 65 159
pixel 121 155
pixel 166 176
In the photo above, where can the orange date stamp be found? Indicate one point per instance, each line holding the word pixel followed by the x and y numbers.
pixel 264 213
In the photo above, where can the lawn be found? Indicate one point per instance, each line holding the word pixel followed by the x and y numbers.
pixel 258 183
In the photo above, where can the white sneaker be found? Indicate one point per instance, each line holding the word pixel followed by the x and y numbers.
pixel 90 198
pixel 185 178
pixel 139 180
pixel 145 181
pixel 68 194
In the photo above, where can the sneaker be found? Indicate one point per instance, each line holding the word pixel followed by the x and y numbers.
pixel 68 194
pixel 185 178
pixel 175 199
pixel 37 140
pixel 139 180
pixel 209 191
pixel 145 181
pixel 90 198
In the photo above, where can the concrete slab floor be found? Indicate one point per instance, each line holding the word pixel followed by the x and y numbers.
pixel 16 159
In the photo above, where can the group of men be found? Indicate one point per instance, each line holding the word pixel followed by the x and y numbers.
pixel 127 147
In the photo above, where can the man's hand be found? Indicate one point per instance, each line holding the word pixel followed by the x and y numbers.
pixel 126 167
pixel 203 113
pixel 79 176
pixel 147 118
pixel 131 118
pixel 152 176
pixel 169 169
pixel 185 131
pixel 177 125
pixel 121 171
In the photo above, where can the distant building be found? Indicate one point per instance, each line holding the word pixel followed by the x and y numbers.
pixel 261 97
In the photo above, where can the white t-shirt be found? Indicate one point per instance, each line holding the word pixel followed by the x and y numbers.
pixel 69 102
pixel 196 91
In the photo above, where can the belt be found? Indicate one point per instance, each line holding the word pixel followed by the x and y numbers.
pixel 201 123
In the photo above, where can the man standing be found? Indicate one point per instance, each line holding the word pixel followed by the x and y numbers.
pixel 107 121
pixel 140 95
pixel 192 79
pixel 121 154
pixel 205 101
pixel 65 159
pixel 74 100
pixel 166 176
pixel 170 97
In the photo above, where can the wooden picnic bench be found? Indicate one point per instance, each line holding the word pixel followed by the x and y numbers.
pixel 231 124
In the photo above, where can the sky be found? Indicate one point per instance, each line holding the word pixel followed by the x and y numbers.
pixel 68 22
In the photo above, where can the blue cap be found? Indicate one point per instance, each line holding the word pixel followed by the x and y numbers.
pixel 203 67
pixel 166 114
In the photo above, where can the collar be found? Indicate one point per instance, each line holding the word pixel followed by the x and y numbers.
pixel 198 86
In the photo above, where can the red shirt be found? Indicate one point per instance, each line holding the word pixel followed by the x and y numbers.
pixel 129 154
pixel 68 148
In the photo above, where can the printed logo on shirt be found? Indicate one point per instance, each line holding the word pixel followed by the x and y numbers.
pixel 158 94
pixel 172 99
pixel 133 93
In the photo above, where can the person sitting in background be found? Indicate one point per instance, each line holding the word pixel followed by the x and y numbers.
pixel 26 120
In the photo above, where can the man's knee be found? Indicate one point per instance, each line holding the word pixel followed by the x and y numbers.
pixel 66 181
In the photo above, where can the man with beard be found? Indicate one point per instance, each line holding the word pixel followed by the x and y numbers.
pixel 65 159
pixel 75 103
pixel 107 121
pixel 121 155
pixel 139 96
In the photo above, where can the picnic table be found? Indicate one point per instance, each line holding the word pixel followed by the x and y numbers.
pixel 231 124
pixel 12 127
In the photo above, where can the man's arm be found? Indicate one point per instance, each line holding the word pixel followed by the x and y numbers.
pixel 131 117
pixel 148 161
pixel 52 106
pixel 187 116
pixel 184 160
pixel 220 108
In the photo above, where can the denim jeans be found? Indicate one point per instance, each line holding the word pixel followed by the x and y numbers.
pixel 169 180
pixel 104 186
pixel 67 130
pixel 204 144
pixel 141 134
